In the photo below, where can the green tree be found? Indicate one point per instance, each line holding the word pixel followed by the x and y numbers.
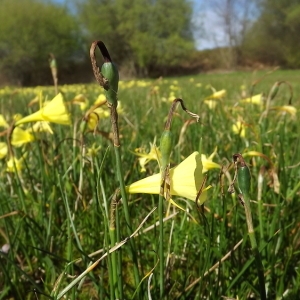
pixel 146 35
pixel 274 37
pixel 29 31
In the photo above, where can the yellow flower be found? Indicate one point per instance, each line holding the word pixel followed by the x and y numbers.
pixel 93 151
pixel 141 83
pixel 185 180
pixel 80 100
pixel 95 116
pixel 120 108
pixel 19 164
pixel 20 137
pixel 42 126
pixel 3 123
pixel 17 117
pixel 101 98
pixel 171 96
pixel 174 87
pixel 154 154
pixel 211 104
pixel 286 109
pixel 239 128
pixel 54 111
pixel 207 163
pixel 3 150
pixel 217 95
pixel 257 99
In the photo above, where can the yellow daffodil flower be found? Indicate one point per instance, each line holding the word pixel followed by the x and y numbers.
pixel 211 104
pixel 20 137
pixel 171 96
pixel 217 95
pixel 3 150
pixel 19 163
pixel 257 99
pixel 174 87
pixel 286 109
pixel 185 180
pixel 93 151
pixel 54 111
pixel 154 154
pixel 80 100
pixel 95 116
pixel 207 163
pixel 239 128
pixel 3 122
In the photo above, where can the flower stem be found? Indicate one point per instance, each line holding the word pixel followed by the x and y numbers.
pixel 116 141
pixel 161 245
pixel 244 182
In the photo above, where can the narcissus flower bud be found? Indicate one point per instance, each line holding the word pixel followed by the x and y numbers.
pixel 111 73
pixel 166 146
pixel 244 177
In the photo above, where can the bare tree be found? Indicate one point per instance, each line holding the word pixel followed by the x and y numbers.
pixel 232 18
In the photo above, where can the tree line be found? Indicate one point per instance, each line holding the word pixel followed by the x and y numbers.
pixel 145 37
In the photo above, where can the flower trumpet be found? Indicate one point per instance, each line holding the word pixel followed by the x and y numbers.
pixel 54 111
pixel 185 180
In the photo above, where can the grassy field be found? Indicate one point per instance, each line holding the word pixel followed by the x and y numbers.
pixel 57 190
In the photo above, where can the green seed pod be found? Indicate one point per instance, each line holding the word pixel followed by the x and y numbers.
pixel 111 73
pixel 166 146
pixel 244 179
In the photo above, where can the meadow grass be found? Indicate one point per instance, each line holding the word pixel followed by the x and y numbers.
pixel 55 211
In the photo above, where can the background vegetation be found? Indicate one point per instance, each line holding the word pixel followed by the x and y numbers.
pixel 149 38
